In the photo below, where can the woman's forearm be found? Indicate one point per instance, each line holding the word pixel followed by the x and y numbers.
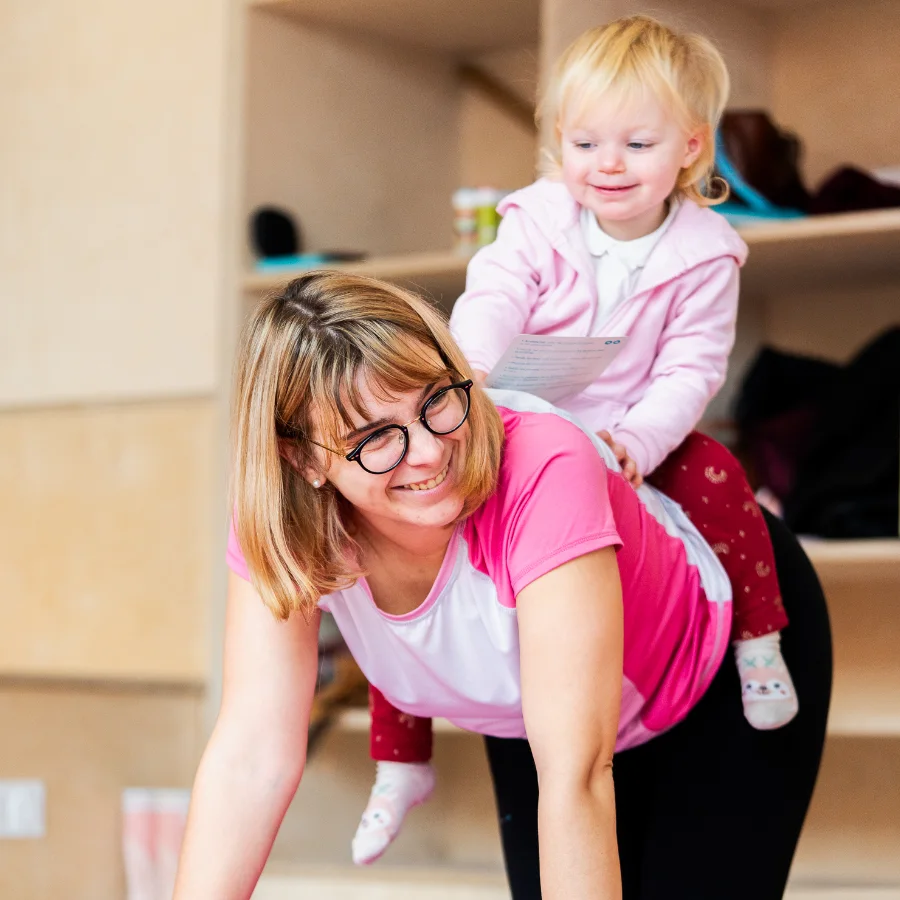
pixel 237 804
pixel 577 825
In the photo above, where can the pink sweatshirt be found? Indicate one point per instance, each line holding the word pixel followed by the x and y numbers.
pixel 538 278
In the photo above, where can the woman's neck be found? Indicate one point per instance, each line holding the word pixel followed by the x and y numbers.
pixel 409 543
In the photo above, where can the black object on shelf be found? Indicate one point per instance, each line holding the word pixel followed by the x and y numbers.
pixel 825 438
pixel 274 233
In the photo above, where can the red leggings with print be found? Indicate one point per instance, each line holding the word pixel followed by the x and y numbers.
pixel 711 487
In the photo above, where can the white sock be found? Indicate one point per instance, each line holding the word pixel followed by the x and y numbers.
pixel 767 691
pixel 398 788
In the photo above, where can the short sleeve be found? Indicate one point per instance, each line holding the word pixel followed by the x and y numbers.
pixel 552 503
pixel 234 556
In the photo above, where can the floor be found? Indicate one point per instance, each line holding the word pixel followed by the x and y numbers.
pixel 371 884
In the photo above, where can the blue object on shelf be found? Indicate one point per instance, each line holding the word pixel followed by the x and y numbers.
pixel 294 261
pixel 754 207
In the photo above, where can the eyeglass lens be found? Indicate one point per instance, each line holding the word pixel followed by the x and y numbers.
pixel 443 414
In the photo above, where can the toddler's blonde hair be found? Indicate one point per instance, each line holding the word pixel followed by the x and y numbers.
pixel 636 54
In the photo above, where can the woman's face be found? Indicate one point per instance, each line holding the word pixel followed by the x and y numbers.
pixel 419 493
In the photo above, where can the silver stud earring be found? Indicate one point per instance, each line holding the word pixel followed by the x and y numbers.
pixel 317 483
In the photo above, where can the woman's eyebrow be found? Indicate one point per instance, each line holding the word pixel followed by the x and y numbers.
pixel 378 423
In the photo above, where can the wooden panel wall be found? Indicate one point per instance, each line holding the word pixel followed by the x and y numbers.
pixel 835 78
pixel 87 743
pixel 114 254
pixel 358 139
pixel 110 248
pixel 108 539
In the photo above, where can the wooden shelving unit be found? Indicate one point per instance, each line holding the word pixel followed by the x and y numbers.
pixel 813 251
pixel 344 160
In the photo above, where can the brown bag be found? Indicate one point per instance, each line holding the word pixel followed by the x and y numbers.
pixel 767 157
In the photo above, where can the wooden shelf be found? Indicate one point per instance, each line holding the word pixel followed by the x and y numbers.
pixel 861 247
pixel 861 713
pixel 871 560
pixel 855 716
pixel 457 26
pixel 358 719
pixel 441 275
pixel 287 882
pixel 405 267
pixel 848 892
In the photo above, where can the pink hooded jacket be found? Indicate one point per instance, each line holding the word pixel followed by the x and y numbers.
pixel 538 278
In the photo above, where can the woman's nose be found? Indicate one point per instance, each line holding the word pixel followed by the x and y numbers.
pixel 425 448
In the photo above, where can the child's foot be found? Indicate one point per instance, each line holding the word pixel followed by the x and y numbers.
pixel 767 691
pixel 398 788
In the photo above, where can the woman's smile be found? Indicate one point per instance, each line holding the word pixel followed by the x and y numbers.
pixel 427 485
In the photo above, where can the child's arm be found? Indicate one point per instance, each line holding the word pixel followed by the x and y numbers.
pixel 690 366
pixel 501 289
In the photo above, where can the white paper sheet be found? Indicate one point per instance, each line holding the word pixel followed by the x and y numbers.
pixel 553 367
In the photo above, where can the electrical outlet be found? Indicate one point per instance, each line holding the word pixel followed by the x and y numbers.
pixel 22 804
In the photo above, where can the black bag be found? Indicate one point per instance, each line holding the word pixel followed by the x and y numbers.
pixel 843 454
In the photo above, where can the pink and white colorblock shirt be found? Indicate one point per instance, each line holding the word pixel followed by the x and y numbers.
pixel 558 498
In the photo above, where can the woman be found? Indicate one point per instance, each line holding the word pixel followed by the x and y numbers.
pixel 484 564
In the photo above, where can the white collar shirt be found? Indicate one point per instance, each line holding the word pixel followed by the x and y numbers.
pixel 617 264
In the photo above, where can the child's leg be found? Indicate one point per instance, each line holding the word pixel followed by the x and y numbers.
pixel 710 485
pixel 401 746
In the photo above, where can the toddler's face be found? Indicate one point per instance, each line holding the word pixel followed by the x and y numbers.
pixel 621 159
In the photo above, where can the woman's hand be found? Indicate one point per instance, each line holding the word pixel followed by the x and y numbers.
pixel 570 634
pixel 479 377
pixel 629 467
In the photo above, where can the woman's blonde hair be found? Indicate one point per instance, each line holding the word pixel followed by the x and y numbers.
pixel 302 356
pixel 684 71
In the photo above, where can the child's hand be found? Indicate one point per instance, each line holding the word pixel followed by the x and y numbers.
pixel 479 377
pixel 629 467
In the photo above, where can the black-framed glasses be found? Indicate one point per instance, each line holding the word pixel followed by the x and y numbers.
pixel 383 450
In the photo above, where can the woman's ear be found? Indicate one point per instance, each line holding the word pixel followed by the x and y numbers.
pixel 288 451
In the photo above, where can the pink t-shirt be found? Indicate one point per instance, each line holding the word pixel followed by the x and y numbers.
pixel 457 655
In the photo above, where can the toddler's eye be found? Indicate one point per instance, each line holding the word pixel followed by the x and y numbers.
pixel 638 145
pixel 583 145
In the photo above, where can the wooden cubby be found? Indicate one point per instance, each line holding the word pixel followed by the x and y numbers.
pixel 352 121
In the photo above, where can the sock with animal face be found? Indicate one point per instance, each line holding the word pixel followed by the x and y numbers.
pixel 398 788
pixel 767 691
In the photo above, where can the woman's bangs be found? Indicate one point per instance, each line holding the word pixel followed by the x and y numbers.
pixel 388 366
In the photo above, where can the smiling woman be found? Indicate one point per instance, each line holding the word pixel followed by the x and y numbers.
pixel 320 338
pixel 485 562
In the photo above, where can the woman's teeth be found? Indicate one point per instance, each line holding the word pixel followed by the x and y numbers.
pixel 427 485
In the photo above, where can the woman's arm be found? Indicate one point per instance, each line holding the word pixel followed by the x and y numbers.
pixel 255 756
pixel 570 632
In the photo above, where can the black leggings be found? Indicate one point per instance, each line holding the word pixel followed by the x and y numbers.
pixel 711 810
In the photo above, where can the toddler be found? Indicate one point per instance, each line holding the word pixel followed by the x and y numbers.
pixel 617 239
